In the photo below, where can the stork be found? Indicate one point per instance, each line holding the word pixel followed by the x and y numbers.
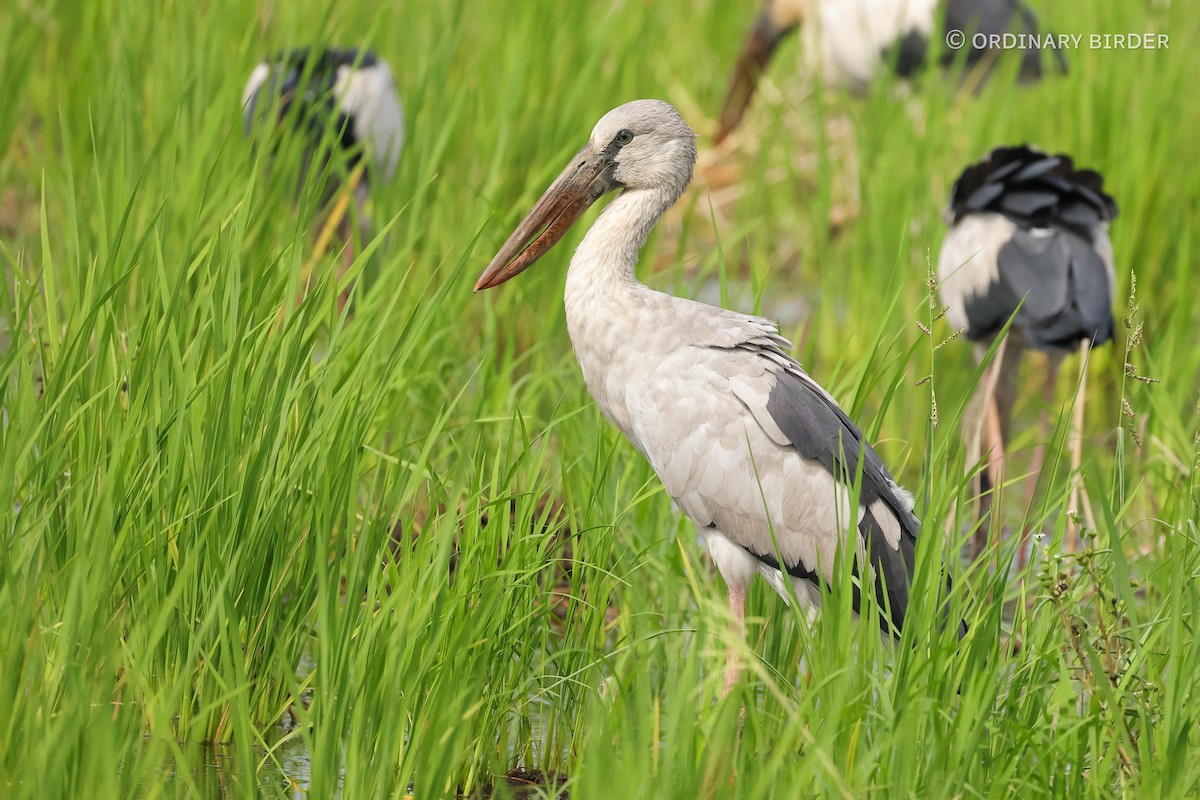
pixel 1027 240
pixel 752 449
pixel 346 105
pixel 855 39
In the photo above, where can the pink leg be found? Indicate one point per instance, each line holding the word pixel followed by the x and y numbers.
pixel 1039 452
pixel 993 447
pixel 733 665
pixel 1071 541
pixel 987 441
pixel 995 443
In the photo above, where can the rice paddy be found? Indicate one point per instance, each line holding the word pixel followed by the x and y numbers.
pixel 260 543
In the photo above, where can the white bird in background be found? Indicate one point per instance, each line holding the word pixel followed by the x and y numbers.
pixel 1028 241
pixel 853 40
pixel 750 447
pixel 345 103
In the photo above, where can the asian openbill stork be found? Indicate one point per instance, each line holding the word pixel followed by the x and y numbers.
pixel 345 104
pixel 1028 240
pixel 749 446
pixel 855 39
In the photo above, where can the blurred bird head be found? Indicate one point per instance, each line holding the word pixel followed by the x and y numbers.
pixel 341 100
pixel 775 20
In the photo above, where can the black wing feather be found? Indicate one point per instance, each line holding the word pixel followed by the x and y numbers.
pixel 1024 170
pixel 1050 273
pixel 821 431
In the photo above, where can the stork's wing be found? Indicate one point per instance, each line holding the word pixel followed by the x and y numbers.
pixel 1066 284
pixel 1029 229
pixel 817 428
pixel 1034 190
pixel 748 444
pixel 1059 285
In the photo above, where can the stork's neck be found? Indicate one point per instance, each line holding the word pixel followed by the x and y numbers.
pixel 606 305
pixel 605 259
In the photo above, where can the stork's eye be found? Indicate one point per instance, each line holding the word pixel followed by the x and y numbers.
pixel 624 136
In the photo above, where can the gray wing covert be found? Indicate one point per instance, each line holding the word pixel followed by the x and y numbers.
pixel 1065 285
pixel 820 431
pixel 794 411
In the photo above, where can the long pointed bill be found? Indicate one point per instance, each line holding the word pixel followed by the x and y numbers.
pixel 582 183
pixel 764 37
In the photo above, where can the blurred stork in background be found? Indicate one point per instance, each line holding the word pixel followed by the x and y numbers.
pixel 1028 241
pixel 344 103
pixel 854 39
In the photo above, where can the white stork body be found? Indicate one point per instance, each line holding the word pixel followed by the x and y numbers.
pixel 688 385
pixel 751 449
pixel 852 41
pixel 853 37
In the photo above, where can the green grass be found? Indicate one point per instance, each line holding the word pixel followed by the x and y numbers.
pixel 209 486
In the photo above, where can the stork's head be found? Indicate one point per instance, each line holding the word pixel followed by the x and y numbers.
pixel 775 20
pixel 640 146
